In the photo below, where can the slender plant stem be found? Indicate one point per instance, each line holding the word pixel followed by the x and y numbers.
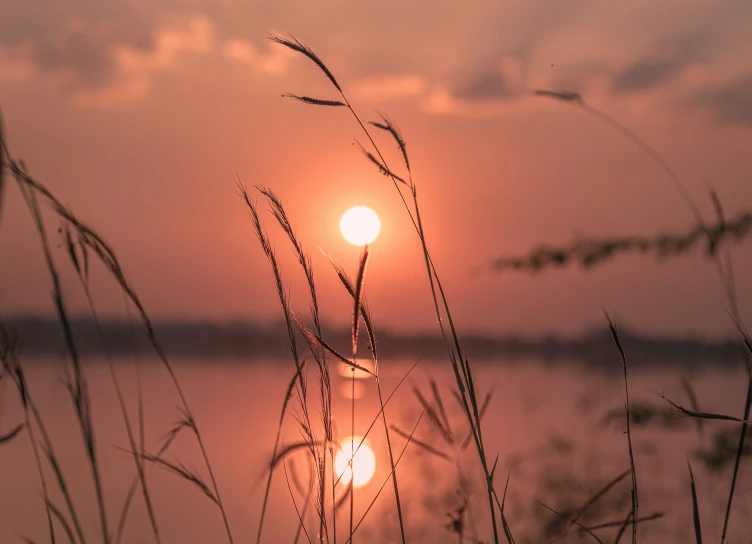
pixel 109 259
pixel 29 429
pixel 124 411
pixel 474 422
pixel 352 449
pixel 78 389
pixel 725 275
pixel 737 461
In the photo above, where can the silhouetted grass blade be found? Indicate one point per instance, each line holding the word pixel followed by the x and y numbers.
pixel 695 509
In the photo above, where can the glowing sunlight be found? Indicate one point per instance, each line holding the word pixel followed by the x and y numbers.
pixel 364 463
pixel 360 225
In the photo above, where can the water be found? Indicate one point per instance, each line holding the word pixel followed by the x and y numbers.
pixel 558 430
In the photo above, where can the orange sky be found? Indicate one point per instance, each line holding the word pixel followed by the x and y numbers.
pixel 141 115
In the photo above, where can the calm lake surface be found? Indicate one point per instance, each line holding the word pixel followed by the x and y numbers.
pixel 558 430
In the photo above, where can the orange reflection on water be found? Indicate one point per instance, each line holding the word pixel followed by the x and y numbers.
pixel 364 462
pixel 350 391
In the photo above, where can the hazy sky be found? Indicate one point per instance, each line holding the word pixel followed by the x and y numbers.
pixel 142 115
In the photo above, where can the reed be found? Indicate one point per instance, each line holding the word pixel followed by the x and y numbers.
pixel 457 357
pixel 32 190
pixel 635 494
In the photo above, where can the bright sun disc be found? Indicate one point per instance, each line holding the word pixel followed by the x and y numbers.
pixel 360 225
pixel 364 463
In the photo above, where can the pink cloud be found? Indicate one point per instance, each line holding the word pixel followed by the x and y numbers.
pixel 382 88
pixel 275 60
pixel 194 35
pixel 16 63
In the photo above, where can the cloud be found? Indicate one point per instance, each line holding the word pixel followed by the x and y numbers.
pixel 484 86
pixel 111 52
pixel 730 103
pixel 647 73
pixel 99 66
pixel 501 81
pixel 131 67
pixel 491 89
pixel 667 60
pixel 381 88
pixel 16 63
pixel 80 53
pixel 440 100
pixel 275 60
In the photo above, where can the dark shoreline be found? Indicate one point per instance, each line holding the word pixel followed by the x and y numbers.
pixel 248 341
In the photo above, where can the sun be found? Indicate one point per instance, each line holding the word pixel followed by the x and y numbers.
pixel 360 225
pixel 364 463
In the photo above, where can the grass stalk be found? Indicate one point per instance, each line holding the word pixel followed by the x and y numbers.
pixel 580 525
pixel 78 388
pixel 288 396
pixel 126 419
pixel 12 365
pixel 695 509
pixel 294 503
pixel 317 350
pixel 725 274
pixel 30 188
pixel 32 415
pixel 742 434
pixel 459 361
pixel 352 448
pixel 399 457
pixel 635 495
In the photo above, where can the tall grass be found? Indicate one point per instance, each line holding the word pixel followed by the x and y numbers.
pixel 321 350
pixel 667 244
pixel 458 360
pixel 304 419
pixel 11 367
pixel 76 383
pixel 79 258
pixel 457 357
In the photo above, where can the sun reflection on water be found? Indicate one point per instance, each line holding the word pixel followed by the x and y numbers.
pixel 364 463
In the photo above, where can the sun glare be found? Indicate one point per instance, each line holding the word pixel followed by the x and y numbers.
pixel 364 463
pixel 360 225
